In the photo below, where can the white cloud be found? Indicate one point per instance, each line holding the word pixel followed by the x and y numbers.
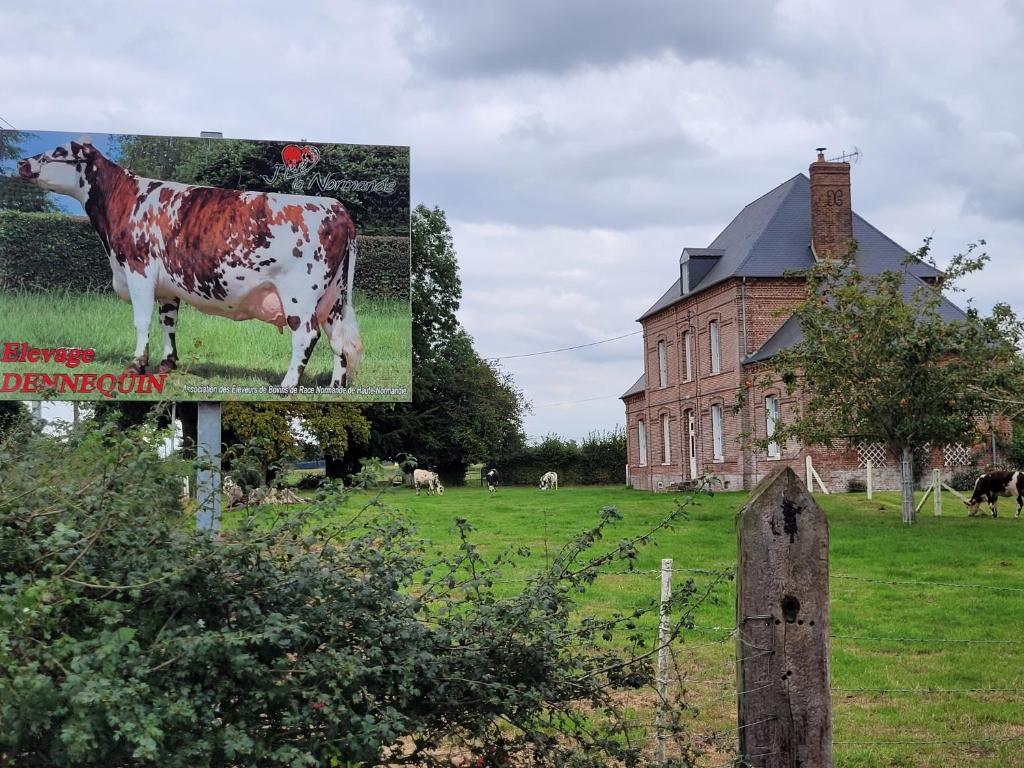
pixel 575 152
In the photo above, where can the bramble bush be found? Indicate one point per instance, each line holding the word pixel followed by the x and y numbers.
pixel 331 636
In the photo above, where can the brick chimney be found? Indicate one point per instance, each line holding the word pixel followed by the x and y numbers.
pixel 831 214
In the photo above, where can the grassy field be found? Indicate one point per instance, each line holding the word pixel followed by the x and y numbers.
pixel 884 635
pixel 211 350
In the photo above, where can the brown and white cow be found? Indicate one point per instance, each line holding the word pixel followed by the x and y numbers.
pixel 990 486
pixel 287 260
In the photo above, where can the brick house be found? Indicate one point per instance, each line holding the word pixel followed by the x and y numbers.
pixel 708 337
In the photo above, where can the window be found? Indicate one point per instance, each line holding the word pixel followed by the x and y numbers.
pixel 662 365
pixel 771 418
pixel 641 441
pixel 716 432
pixel 713 333
pixel 688 371
pixel 666 440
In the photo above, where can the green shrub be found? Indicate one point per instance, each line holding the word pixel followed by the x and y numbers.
pixel 856 485
pixel 382 267
pixel 43 252
pixel 963 479
pixel 599 460
pixel 126 639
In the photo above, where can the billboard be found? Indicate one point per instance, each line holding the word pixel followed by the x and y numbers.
pixel 158 267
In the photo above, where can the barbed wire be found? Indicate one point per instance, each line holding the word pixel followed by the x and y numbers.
pixel 873 638
pixel 937 640
pixel 982 740
pixel 902 582
pixel 710 570
pixel 927 690
pixel 718 568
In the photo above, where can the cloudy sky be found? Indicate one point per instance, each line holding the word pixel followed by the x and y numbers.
pixel 576 147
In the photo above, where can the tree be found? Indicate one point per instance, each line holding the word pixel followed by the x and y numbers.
pixel 879 362
pixel 14 416
pixel 340 429
pixel 464 408
pixel 436 285
pixel 260 440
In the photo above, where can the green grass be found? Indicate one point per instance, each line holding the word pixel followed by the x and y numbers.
pixel 211 350
pixel 868 541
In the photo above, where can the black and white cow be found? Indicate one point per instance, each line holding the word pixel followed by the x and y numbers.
pixel 549 480
pixel 990 486
pixel 492 480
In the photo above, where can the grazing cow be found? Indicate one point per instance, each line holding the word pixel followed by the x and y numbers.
pixel 549 480
pixel 287 260
pixel 990 486
pixel 492 480
pixel 425 478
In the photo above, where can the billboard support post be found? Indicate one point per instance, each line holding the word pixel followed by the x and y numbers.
pixel 208 477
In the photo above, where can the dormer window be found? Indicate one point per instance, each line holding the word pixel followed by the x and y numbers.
pixel 694 266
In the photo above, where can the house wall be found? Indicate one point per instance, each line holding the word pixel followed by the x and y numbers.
pixel 757 307
pixel 843 463
pixel 736 306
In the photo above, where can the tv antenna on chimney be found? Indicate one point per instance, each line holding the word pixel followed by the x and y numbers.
pixel 848 157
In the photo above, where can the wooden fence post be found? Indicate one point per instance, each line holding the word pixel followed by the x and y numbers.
pixel 907 485
pixel 870 487
pixel 937 485
pixel 782 620
pixel 664 632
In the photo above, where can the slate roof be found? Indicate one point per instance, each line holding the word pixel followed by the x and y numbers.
pixel 640 385
pixel 770 237
pixel 790 332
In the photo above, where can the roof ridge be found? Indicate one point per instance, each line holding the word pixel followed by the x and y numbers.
pixel 777 186
pixel 764 229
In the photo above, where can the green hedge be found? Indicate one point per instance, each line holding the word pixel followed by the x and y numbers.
pixel 50 251
pixel 600 459
pixel 46 251
pixel 382 267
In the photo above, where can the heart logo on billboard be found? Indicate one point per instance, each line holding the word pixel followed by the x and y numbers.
pixel 294 156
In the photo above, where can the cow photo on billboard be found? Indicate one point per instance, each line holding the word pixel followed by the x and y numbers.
pixel 287 260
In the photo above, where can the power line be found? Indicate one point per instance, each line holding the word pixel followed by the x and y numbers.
pixel 573 402
pixel 8 124
pixel 566 349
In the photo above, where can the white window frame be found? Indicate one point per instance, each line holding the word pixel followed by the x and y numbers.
pixel 641 441
pixel 716 357
pixel 771 420
pixel 662 364
pixel 717 443
pixel 666 439
pixel 688 355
